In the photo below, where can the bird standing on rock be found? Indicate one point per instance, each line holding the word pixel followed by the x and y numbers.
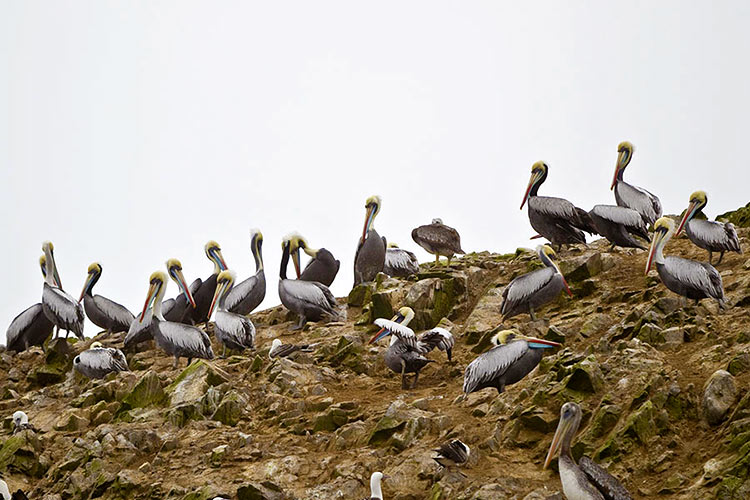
pixel 59 307
pixel 438 239
pixel 708 235
pixel 234 331
pixel 244 297
pixel 323 266
pixel 376 493
pixel 99 361
pixel 619 225
pixel 399 262
pixel 370 256
pixel 633 197
pixel 31 327
pixel 452 454
pixel 103 312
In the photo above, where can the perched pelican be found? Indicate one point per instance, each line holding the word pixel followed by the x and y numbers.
pixel 21 422
pixel 587 480
pixel 438 239
pixel 279 350
pixel 406 352
pixel 689 278
pixel 631 196
pixel 375 492
pixel 513 357
pixel 452 454
pixel 180 309
pixel 532 290
pixel 176 339
pixel 98 361
pixel 708 235
pixel 244 297
pixel 310 299
pixel 619 225
pixel 59 307
pixel 203 291
pixel 233 330
pixel 103 312
pixel 5 493
pixel 370 257
pixel 399 263
pixel 556 219
pixel 322 267
pixel 31 327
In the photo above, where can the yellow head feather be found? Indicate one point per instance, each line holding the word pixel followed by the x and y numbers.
pixel 504 336
pixel 95 267
pixel 699 196
pixel 174 263
pixel 665 223
pixel 158 276
pixel 625 146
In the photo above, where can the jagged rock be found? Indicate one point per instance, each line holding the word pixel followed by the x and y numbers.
pixel 582 268
pixel 719 394
pixel 739 364
pixel 586 376
pixel 146 392
pixel 651 334
pixel 191 385
pixel 57 363
pixel 347 353
pixel 71 421
pixel 230 409
pixel 674 336
pixel 739 217
pixel 596 323
pixel 20 452
pixel 331 420
pixel 360 295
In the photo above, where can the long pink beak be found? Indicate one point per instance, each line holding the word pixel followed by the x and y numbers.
pixel 686 217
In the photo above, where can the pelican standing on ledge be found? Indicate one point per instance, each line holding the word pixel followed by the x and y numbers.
pixel 203 291
pixel 233 330
pixel 399 262
pixel 244 297
pixel 633 197
pixel 99 361
pixel 322 267
pixel 309 299
pixel 513 357
pixel 619 225
pixel 587 480
pixel 103 312
pixel 535 289
pixel 176 339
pixel 31 327
pixel 370 256
pixel 438 239
pixel 556 219
pixel 59 307
pixel 689 278
pixel 708 235
pixel 180 308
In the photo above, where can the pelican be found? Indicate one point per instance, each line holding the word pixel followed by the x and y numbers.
pixel 631 196
pixel 556 219
pixel 309 299
pixel 370 257
pixel 532 290
pixel 406 352
pixel 180 309
pixel 59 307
pixel 279 350
pixel 31 327
pixel 399 263
pixel 203 291
pixel 322 267
pixel 452 454
pixel 244 297
pixel 689 278
pixel 438 239
pixel 102 311
pixel 5 493
pixel 706 234
pixel 619 225
pixel 587 480
pixel 376 493
pixel 99 361
pixel 513 357
pixel 21 422
pixel 233 330
pixel 176 339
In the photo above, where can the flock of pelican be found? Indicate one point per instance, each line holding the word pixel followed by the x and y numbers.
pixel 175 324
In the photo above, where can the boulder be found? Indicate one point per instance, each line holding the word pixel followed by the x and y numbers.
pixel 146 392
pixel 719 394
pixel 191 385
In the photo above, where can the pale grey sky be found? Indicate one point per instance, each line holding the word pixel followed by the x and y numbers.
pixel 132 132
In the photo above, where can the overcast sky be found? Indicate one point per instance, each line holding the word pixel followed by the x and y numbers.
pixel 131 132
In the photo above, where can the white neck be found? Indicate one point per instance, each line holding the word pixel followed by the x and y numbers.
pixel 4 491
pixel 375 491
pixel 157 302
pixel 49 278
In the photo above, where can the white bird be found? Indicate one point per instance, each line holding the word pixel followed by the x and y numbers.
pixel 99 361
pixel 279 350
pixel 376 493
pixel 59 307
pixel 5 493
pixel 20 422
pixel 234 331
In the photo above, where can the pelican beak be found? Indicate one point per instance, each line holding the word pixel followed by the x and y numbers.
pixel 295 259
pixel 565 282
pixel 382 333
pixel 689 214
pixel 618 167
pixel 89 277
pixel 536 343
pixel 562 429
pixel 220 260
pixel 55 275
pixel 152 289
pixel 655 242
pixel 370 211
pixel 218 293
pixel 533 180
pixel 183 286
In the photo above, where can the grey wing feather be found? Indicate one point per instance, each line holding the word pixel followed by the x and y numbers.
pixel 21 323
pixel 238 293
pixel 555 207
pixel 399 260
pixel 640 200
pixel 62 305
pixel 524 286
pixel 186 338
pixel 195 285
pixel 716 234
pixel 620 215
pixel 404 333
pixel 603 480
pixel 104 359
pixel 439 236
pixel 238 327
pixel 697 274
pixel 311 292
pixel 492 364
pixel 437 337
pixel 114 310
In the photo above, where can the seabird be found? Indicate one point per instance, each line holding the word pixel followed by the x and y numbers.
pixel 21 422
pixel 103 312
pixel 452 454
pixel 59 307
pixel 586 480
pixel 689 278
pixel 244 297
pixel 180 309
pixel 556 219
pixel 99 361
pixel 438 239
pixel 5 493
pixel 31 327
pixel 279 350
pixel 512 358
pixel 323 266
pixel 708 235
pixel 234 331
pixel 405 354
pixel 370 256
pixel 176 339
pixel 203 291
pixel 619 225
pixel 375 492
pixel 631 196
pixel 399 262
pixel 535 289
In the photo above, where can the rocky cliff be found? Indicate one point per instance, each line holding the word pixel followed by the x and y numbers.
pixel 663 385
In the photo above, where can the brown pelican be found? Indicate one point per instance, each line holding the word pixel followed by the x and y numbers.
pixel 176 339
pixel 102 311
pixel 310 299
pixel 513 357
pixel 691 279
pixel 452 454
pixel 619 225
pixel 203 291
pixel 631 196
pixel 279 350
pixel 31 327
pixel 532 290
pixel 399 263
pixel 59 307
pixel 376 493
pixel 233 330
pixel 406 352
pixel 587 480
pixel 322 267
pixel 556 219
pixel 99 361
pixel 244 297
pixel 180 309
pixel 438 239
pixel 370 257
pixel 708 235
